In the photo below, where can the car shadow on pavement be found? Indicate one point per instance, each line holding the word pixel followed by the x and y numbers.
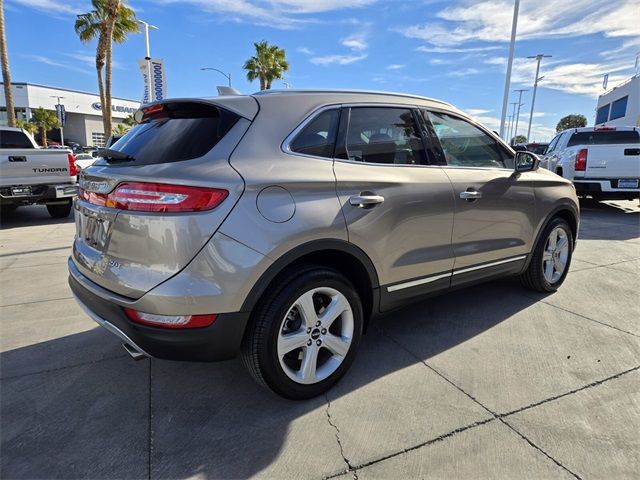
pixel 77 407
pixel 608 221
pixel 30 216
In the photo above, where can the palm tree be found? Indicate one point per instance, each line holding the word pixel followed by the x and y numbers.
pixel 6 75
pixel 268 64
pixel 29 127
pixel 109 21
pixel 45 120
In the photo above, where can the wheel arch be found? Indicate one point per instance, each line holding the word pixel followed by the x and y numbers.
pixel 340 255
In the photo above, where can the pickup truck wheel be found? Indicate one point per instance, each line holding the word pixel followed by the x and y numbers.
pixel 551 258
pixel 60 210
pixel 304 333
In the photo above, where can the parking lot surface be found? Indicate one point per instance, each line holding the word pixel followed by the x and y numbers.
pixel 488 382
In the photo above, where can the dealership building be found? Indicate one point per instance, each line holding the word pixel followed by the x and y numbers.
pixel 83 122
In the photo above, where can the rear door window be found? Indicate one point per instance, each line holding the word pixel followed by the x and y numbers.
pixel 179 131
pixel 604 137
pixel 384 135
pixel 318 137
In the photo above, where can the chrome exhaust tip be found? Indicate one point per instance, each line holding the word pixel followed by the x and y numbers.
pixel 134 352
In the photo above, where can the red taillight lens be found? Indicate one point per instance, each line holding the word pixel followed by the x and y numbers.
pixel 158 197
pixel 73 170
pixel 581 160
pixel 170 321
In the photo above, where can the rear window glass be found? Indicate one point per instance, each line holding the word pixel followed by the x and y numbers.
pixel 607 137
pixel 603 114
pixel 181 131
pixel 318 138
pixel 619 108
pixel 10 139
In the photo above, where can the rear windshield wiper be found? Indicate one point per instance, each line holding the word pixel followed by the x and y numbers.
pixel 110 154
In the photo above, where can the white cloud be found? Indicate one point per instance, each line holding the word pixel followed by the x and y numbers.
pixel 456 50
pixel 358 45
pixel 337 59
pixel 274 13
pixel 395 66
pixel 56 63
pixel 463 72
pixel 490 21
pixel 90 60
pixel 577 78
pixel 304 50
pixel 355 42
pixel 52 6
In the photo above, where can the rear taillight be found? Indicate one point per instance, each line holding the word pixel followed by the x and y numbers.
pixel 581 160
pixel 73 170
pixel 170 321
pixel 158 197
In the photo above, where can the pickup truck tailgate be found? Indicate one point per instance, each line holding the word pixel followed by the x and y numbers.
pixel 613 161
pixel 33 167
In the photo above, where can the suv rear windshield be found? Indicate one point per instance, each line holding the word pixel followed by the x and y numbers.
pixel 180 131
pixel 605 137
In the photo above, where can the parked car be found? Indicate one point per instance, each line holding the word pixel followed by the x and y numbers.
pixel 537 148
pixel 278 224
pixel 603 162
pixel 32 175
pixel 84 160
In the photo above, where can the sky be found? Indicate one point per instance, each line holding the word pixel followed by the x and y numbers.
pixel 454 50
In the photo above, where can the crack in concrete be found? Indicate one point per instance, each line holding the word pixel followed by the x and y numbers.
pixel 83 364
pixel 350 468
pixel 566 394
pixel 495 415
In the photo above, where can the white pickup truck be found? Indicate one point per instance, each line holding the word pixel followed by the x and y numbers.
pixel 603 162
pixel 33 175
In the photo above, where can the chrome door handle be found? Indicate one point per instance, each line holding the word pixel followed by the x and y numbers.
pixel 366 200
pixel 470 195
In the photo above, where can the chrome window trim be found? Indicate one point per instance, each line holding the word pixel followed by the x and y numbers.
pixel 433 278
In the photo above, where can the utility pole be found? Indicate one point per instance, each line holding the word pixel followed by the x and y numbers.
pixel 538 58
pixel 513 119
pixel 147 57
pixel 507 82
pixel 509 120
pixel 61 116
pixel 520 92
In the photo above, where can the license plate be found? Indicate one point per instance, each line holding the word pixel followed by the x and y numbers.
pixel 93 231
pixel 20 191
pixel 628 183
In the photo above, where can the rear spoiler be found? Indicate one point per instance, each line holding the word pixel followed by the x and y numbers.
pixel 227 91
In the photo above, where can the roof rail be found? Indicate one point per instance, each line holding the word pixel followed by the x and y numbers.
pixel 347 91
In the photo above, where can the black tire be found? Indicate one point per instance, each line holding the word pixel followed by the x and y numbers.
pixel 60 210
pixel 533 278
pixel 259 345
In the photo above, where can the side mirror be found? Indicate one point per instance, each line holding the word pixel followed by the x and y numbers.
pixel 526 162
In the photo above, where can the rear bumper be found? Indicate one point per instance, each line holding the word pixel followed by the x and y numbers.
pixel 605 188
pixel 220 341
pixel 42 194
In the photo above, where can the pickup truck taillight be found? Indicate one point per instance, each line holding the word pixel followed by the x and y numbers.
pixel 73 170
pixel 581 160
pixel 157 197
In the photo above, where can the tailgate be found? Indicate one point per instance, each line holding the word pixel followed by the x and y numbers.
pixel 613 161
pixel 34 167
pixel 129 251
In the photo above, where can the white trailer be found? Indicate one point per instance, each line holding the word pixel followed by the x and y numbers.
pixel 620 106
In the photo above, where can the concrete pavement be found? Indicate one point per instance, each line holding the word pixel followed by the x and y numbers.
pixel 487 382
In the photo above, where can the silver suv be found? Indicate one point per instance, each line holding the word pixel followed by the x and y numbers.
pixel 278 224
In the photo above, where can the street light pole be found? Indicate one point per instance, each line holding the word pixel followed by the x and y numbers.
pixel 59 118
pixel 520 91
pixel 507 82
pixel 226 75
pixel 147 57
pixel 513 119
pixel 538 58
